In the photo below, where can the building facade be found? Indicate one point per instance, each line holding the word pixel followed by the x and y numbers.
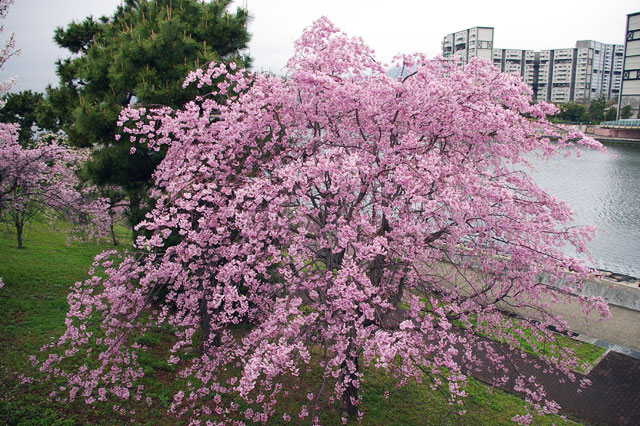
pixel 562 75
pixel 589 71
pixel 469 43
pixel 598 70
pixel 545 65
pixel 630 87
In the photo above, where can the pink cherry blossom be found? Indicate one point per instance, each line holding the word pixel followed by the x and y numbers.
pixel 6 51
pixel 383 222
pixel 40 182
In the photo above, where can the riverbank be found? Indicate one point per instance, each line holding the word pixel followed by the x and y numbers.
pixel 623 299
pixel 604 135
pixel 617 141
pixel 625 294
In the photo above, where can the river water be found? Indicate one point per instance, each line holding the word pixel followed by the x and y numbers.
pixel 603 189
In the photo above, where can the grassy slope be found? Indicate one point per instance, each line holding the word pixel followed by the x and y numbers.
pixel 33 306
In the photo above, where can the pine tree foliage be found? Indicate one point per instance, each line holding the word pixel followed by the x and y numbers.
pixel 139 55
pixel 22 108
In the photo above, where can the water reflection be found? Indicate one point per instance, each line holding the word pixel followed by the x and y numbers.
pixel 604 191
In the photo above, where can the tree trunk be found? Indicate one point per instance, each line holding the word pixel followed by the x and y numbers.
pixel 134 212
pixel 19 228
pixel 205 324
pixel 350 393
pixel 113 235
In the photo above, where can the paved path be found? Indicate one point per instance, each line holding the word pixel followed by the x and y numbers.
pixel 622 329
pixel 613 398
pixel 614 395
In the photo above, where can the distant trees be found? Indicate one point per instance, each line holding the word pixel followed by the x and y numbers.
pixel 573 112
pixel 578 113
pixel 140 55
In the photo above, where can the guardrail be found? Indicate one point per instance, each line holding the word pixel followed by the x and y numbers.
pixel 621 123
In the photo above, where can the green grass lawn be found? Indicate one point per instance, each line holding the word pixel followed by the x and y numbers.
pixel 585 353
pixel 33 306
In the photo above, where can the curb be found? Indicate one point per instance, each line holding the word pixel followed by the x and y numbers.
pixel 607 345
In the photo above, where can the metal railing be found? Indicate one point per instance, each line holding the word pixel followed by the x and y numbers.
pixel 621 123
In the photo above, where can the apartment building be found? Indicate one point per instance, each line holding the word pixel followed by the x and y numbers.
pixel 618 67
pixel 598 70
pixel 509 60
pixel 531 68
pixel 562 75
pixel 545 66
pixel 523 63
pixel 590 70
pixel 469 43
pixel 630 87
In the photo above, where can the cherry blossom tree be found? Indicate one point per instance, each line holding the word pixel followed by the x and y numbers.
pixel 349 219
pixel 41 183
pixel 6 51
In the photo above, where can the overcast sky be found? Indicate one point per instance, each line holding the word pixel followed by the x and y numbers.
pixel 389 26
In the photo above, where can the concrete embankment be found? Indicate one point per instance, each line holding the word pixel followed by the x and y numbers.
pixel 623 328
pixel 608 135
pixel 622 294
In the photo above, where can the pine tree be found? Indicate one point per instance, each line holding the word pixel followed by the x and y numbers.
pixel 597 110
pixel 22 108
pixel 139 55
pixel 626 112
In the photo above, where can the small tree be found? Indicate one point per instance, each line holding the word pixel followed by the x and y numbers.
pixel 115 204
pixel 5 53
pixel 597 110
pixel 350 219
pixel 40 183
pixel 612 114
pixel 626 112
